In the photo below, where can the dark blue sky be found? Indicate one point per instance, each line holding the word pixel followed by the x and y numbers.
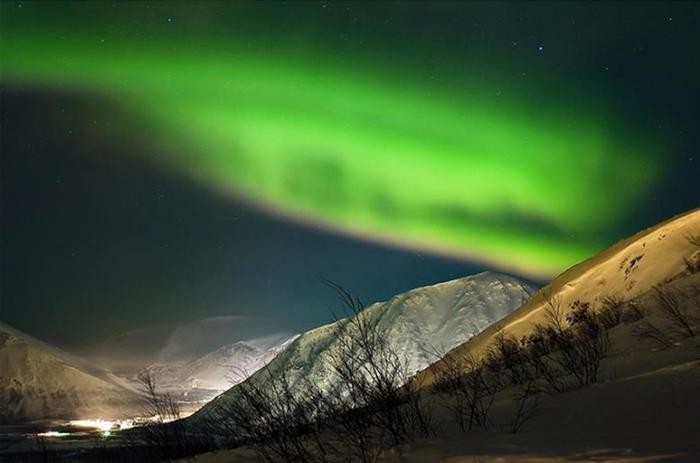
pixel 95 241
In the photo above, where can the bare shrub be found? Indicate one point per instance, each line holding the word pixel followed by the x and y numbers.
pixel 580 312
pixel 692 263
pixel 673 310
pixel 676 311
pixel 465 391
pixel 611 312
pixel 541 357
pixel 372 373
pixel 419 410
pixel 365 408
pixel 632 312
pixel 527 400
pixel 161 406
pixel 354 429
pixel 580 345
pixel 506 355
pixel 694 240
pixel 448 385
pixel 165 436
pixel 647 331
pixel 280 424
pixel 563 353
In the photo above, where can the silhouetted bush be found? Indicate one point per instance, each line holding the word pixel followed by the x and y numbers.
pixel 611 312
pixel 506 356
pixel 372 376
pixel 632 312
pixel 692 263
pixel 648 331
pixel 674 309
pixel 675 312
pixel 542 359
pixel 582 345
pixel 467 395
pixel 165 436
pixel 527 400
pixel 279 422
pixel 364 409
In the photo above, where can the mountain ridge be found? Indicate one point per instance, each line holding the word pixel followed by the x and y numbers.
pixel 448 312
pixel 39 381
pixel 621 269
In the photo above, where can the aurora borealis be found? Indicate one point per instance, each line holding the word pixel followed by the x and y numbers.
pixel 365 151
pixel 476 136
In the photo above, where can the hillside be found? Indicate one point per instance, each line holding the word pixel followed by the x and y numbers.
pixel 420 324
pixel 40 382
pixel 220 369
pixel 642 346
pixel 625 270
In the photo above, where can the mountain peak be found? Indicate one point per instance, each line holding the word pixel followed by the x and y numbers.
pixel 419 323
pixel 38 379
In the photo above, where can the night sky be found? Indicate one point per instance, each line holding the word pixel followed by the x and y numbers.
pixel 171 162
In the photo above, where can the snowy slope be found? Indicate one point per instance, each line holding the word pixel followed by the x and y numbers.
pixel 420 324
pixel 38 381
pixel 625 270
pixel 644 409
pixel 221 368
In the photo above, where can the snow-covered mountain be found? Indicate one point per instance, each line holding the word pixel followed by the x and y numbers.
pixel 176 343
pixel 625 270
pixel 419 324
pixel 220 369
pixel 39 381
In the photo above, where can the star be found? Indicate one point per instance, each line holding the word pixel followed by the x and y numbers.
pixel 540 48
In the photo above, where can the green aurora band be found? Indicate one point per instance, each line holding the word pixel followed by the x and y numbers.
pixel 360 149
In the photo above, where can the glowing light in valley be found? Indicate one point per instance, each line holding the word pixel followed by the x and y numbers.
pixel 362 150
pixel 102 425
pixel 106 427
pixel 53 434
